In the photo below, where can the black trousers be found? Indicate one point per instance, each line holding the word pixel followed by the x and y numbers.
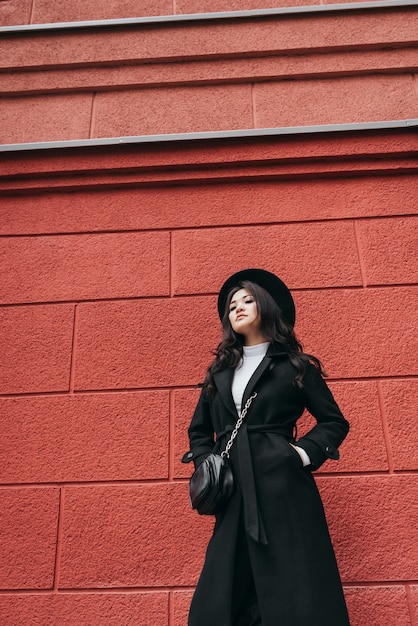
pixel 244 599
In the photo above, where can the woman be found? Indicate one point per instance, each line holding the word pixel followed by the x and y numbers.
pixel 270 561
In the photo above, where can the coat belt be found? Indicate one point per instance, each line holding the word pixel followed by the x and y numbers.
pixel 253 522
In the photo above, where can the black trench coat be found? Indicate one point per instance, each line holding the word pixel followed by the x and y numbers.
pixel 275 499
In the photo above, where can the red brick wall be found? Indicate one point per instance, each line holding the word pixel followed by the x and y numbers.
pixel 177 77
pixel 111 259
pixel 45 11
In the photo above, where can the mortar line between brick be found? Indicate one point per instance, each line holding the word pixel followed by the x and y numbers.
pixel 92 115
pixel 95 590
pixel 152 590
pixel 171 266
pixel 410 603
pixel 415 83
pixel 73 349
pixel 360 254
pixel 379 583
pixel 386 433
pixel 198 227
pixel 97 392
pixel 190 387
pixel 59 539
pixel 206 81
pixel 186 588
pixel 171 436
pixel 253 106
pixel 180 295
pixel 183 480
pixel 170 608
pixel 32 12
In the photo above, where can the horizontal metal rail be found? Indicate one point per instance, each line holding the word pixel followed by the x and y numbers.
pixel 197 17
pixel 213 135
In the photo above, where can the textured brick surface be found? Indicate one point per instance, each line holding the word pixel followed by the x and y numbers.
pixel 329 250
pixel 185 401
pixel 35 349
pixel 244 68
pixel 102 437
pixel 360 333
pixel 364 449
pixel 376 606
pixel 137 344
pixel 114 537
pixel 390 250
pixel 46 269
pixel 181 603
pixel 85 609
pixel 60 11
pixel 16 12
pixel 210 204
pixel 204 39
pixel 342 100
pixel 206 6
pixel 332 213
pixel 179 110
pixel 399 397
pixel 343 1
pixel 110 332
pixel 78 10
pixel 28 526
pixel 293 157
pixel 372 523
pixel 45 118
pixel 414 602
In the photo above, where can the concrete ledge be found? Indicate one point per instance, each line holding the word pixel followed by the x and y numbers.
pixel 212 135
pixel 225 15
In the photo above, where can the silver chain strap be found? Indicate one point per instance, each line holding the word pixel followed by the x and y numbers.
pixel 225 453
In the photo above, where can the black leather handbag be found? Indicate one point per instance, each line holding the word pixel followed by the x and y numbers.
pixel 212 483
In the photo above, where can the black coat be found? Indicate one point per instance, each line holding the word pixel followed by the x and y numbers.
pixel 275 498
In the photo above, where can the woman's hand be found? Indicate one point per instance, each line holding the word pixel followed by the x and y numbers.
pixel 303 455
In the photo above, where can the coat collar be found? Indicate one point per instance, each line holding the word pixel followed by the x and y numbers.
pixel 223 378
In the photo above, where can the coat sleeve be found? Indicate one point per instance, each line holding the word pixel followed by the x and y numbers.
pixel 323 440
pixel 201 432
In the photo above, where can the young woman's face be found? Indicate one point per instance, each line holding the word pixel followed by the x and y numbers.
pixel 243 314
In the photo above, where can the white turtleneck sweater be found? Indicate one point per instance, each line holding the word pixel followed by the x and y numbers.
pixel 251 359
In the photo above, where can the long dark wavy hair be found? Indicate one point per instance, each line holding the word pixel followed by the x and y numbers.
pixel 273 326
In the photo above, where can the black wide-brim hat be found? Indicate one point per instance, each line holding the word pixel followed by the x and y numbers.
pixel 270 282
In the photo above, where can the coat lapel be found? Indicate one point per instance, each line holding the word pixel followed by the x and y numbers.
pixel 252 383
pixel 266 363
pixel 223 382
